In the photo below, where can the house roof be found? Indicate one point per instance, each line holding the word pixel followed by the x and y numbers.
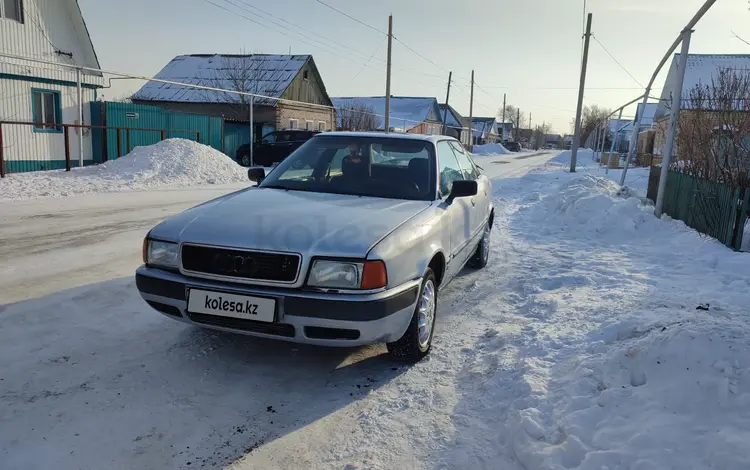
pixel 453 119
pixel 484 126
pixel 407 112
pixel 622 125
pixel 269 75
pixel 88 35
pixel 701 69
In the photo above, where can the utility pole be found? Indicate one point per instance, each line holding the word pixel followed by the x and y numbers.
pixel 447 97
pixel 581 87
pixel 471 115
pixel 518 125
pixel 252 133
pixel 614 140
pixel 388 77
pixel 504 96
pixel 605 131
pixel 673 120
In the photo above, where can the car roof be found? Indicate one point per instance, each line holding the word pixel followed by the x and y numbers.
pixel 390 135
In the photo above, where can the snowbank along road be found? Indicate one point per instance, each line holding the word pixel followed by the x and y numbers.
pixel 579 346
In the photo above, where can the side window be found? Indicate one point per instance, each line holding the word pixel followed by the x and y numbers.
pixel 46 110
pixel 468 166
pixel 308 125
pixel 12 10
pixel 284 137
pixel 270 138
pixel 450 171
pixel 294 124
pixel 321 126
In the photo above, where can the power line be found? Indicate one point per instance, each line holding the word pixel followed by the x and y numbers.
pixel 368 60
pixel 617 61
pixel 738 37
pixel 351 17
pixel 420 55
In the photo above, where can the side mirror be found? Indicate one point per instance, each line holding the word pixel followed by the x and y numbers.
pixel 463 188
pixel 256 174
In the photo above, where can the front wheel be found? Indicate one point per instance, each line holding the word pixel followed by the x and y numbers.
pixel 416 343
pixel 482 255
pixel 245 160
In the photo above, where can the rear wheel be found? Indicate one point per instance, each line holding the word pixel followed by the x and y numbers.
pixel 416 343
pixel 482 255
pixel 245 160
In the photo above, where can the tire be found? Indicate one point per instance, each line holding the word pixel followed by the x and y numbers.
pixel 245 160
pixel 416 343
pixel 482 255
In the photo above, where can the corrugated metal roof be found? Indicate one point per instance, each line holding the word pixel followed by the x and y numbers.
pixel 454 119
pixel 406 112
pixel 268 75
pixel 484 126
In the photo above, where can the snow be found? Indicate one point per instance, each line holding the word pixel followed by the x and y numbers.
pixel 172 163
pixel 491 149
pixel 271 74
pixel 597 337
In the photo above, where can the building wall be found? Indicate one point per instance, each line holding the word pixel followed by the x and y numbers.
pixel 427 128
pixel 230 112
pixel 307 90
pixel 303 113
pixel 48 22
pixel 27 150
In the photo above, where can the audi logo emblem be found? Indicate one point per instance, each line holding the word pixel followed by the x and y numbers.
pixel 235 264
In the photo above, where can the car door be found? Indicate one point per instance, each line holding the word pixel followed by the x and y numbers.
pixel 481 202
pixel 284 145
pixel 457 216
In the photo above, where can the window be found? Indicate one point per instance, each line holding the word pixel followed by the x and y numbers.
pixel 468 166
pixel 284 137
pixel 321 126
pixel 450 171
pixel 270 138
pixel 12 10
pixel 46 110
pixel 309 125
pixel 304 75
pixel 294 124
pixel 334 164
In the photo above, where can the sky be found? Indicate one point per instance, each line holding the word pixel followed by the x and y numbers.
pixel 529 50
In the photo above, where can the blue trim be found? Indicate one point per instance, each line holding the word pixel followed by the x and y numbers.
pixel 58 111
pixel 47 81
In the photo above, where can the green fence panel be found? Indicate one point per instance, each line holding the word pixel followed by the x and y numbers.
pixel 742 219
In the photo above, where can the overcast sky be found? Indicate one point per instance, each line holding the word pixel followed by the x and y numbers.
pixel 529 49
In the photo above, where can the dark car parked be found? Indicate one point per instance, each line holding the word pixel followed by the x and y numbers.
pixel 274 147
pixel 512 146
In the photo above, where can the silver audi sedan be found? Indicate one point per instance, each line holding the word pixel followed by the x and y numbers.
pixel 347 242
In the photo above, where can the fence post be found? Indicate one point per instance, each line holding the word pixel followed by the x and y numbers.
pixel 2 155
pixel 66 133
pixel 127 140
pixel 119 142
pixel 198 137
pixel 735 195
pixel 163 134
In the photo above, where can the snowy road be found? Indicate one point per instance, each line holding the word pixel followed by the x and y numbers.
pixel 552 357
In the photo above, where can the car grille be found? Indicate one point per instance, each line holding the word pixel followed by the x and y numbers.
pixel 257 265
pixel 277 329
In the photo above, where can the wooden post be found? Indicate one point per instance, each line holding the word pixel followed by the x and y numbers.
pixel 127 140
pixel 2 156
pixel 66 132
pixel 164 133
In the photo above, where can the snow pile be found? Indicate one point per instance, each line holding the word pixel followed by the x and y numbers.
pixel 490 149
pixel 168 164
pixel 583 156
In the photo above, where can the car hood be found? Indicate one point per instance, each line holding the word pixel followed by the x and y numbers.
pixel 317 224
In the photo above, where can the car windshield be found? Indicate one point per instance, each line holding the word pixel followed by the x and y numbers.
pixel 361 166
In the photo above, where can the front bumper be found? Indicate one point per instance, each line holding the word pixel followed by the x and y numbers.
pixel 301 316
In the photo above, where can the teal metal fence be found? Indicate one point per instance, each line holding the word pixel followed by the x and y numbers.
pixel 108 145
pixel 711 208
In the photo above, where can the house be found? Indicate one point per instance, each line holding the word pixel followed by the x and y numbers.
pixel 505 130
pixel 552 140
pixel 53 30
pixel 413 115
pixel 702 69
pixel 275 77
pixel 485 130
pixel 456 124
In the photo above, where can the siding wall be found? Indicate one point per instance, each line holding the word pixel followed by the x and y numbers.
pixel 48 22
pixel 26 150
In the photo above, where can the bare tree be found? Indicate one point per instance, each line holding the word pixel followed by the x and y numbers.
pixel 714 129
pixel 357 116
pixel 592 117
pixel 511 115
pixel 539 138
pixel 244 73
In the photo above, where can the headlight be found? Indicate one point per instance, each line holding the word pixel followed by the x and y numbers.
pixel 348 274
pixel 164 254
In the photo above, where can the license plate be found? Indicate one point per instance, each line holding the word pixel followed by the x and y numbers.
pixel 221 304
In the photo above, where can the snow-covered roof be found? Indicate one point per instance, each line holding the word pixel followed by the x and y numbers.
pixel 268 75
pixel 701 69
pixel 406 112
pixel 484 126
pixel 453 119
